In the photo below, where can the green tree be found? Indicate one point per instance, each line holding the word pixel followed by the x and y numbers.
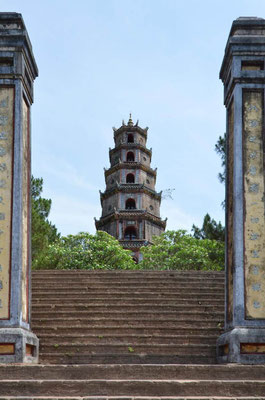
pixel 85 251
pixel 210 230
pixel 178 250
pixel 43 232
pixel 220 148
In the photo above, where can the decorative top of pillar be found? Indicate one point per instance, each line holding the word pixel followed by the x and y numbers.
pixel 13 33
pixel 246 37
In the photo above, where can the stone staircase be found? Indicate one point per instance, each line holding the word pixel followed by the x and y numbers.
pixel 127 317
pixel 129 335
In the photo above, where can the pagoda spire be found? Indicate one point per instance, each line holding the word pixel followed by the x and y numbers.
pixel 130 122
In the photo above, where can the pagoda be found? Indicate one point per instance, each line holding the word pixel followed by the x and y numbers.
pixel 130 203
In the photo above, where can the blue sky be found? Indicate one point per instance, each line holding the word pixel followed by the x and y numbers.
pixel 100 60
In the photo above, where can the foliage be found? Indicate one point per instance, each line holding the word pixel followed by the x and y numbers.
pixel 220 148
pixel 43 231
pixel 85 251
pixel 210 230
pixel 178 250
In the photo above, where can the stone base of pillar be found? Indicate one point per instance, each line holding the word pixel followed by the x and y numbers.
pixel 18 345
pixel 242 346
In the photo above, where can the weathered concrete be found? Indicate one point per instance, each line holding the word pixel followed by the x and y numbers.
pixel 243 75
pixel 17 73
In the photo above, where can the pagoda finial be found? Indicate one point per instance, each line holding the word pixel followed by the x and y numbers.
pixel 130 122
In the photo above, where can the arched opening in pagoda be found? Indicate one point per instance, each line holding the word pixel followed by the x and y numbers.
pixel 130 138
pixel 130 204
pixel 130 178
pixel 130 233
pixel 130 156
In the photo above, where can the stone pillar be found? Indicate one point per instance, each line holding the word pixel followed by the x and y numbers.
pixel 243 75
pixel 17 73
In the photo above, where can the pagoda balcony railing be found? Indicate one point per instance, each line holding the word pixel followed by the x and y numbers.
pixel 138 163
pixel 131 243
pixel 137 143
pixel 130 144
pixel 137 210
pixel 135 186
pixel 132 163
pixel 131 185
pixel 129 164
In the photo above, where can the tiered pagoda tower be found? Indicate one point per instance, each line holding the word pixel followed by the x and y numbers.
pixel 130 204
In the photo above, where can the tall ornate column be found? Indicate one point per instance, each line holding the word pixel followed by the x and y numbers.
pixel 17 73
pixel 243 75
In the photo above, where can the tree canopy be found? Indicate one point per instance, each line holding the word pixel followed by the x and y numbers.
pixel 220 148
pixel 210 230
pixel 204 250
pixel 43 231
pixel 85 251
pixel 181 251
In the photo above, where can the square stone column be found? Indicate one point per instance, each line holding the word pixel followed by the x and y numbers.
pixel 243 75
pixel 17 73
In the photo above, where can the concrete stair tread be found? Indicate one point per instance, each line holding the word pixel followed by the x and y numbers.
pixel 128 337
pixel 122 312
pixel 130 290
pixel 124 341
pixel 138 371
pixel 118 387
pixel 76 284
pixel 96 397
pixel 76 349
pixel 123 301
pixel 126 271
pixel 132 329
pixel 125 358
pixel 160 345
pixel 99 302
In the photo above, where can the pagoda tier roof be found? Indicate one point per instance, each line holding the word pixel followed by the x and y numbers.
pixel 136 145
pixel 129 165
pixel 133 243
pixel 131 214
pixel 131 188
pixel 130 128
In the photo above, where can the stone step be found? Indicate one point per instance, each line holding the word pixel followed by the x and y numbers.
pixel 191 281
pixel 113 329
pixel 129 398
pixel 118 339
pixel 127 289
pixel 96 301
pixel 223 388
pixel 121 295
pixel 71 358
pixel 127 273
pixel 188 282
pixel 127 322
pixel 109 314
pixel 121 307
pixel 137 371
pixel 129 348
